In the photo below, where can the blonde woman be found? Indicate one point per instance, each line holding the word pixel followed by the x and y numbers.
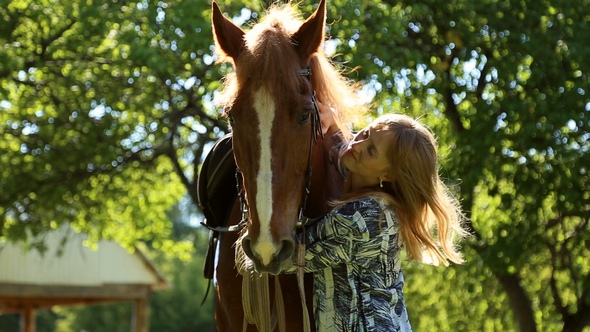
pixel 393 199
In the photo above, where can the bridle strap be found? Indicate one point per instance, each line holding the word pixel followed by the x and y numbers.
pixel 316 130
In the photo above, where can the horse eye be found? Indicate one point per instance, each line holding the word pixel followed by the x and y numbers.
pixel 305 116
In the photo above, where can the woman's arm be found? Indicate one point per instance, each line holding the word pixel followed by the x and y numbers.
pixel 335 239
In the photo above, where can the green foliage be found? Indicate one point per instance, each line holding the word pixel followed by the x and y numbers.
pixel 179 309
pixel 101 113
pixel 45 320
pixel 466 292
pixel 106 108
pixel 503 84
pixel 115 317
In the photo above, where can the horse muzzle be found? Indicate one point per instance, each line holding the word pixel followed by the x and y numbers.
pixel 269 256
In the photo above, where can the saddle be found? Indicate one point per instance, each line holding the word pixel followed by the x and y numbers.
pixel 216 193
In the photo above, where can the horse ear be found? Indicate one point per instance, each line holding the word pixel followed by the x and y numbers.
pixel 310 35
pixel 229 38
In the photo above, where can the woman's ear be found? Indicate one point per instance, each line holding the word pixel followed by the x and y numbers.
pixel 387 177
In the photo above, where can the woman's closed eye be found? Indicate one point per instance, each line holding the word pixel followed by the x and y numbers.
pixel 362 135
pixel 371 150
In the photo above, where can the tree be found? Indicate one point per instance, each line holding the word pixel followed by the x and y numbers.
pixel 102 115
pixel 107 107
pixel 504 86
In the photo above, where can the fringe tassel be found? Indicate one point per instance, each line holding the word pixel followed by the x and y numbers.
pixel 256 301
pixel 256 295
pixel 279 306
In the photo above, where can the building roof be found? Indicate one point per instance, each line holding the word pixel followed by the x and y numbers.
pixel 72 273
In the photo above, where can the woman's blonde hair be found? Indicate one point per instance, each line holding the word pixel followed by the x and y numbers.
pixel 430 216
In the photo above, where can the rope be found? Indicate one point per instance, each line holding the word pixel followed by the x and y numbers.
pixel 300 273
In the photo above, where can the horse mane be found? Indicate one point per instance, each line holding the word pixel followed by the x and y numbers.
pixel 268 59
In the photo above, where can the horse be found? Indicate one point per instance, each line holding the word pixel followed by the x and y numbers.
pixel 280 74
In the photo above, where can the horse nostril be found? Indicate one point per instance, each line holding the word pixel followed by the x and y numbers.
pixel 246 246
pixel 287 250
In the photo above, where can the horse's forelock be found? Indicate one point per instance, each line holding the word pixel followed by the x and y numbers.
pixel 268 57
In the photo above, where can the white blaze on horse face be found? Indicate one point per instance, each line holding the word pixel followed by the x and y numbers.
pixel 264 105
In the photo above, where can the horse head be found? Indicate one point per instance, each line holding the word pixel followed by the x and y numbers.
pixel 270 102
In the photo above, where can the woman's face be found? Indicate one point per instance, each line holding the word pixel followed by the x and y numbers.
pixel 366 157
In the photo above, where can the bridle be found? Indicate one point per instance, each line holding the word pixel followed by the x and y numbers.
pixel 316 131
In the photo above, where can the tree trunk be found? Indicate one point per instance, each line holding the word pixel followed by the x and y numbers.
pixel 519 301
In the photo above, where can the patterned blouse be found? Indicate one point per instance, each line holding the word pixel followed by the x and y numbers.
pixel 354 255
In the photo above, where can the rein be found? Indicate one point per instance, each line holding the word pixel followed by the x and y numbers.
pixel 316 130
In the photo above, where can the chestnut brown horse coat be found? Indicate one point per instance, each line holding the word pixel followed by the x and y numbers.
pixel 270 106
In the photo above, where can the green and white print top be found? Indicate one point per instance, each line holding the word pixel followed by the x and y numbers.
pixel 354 254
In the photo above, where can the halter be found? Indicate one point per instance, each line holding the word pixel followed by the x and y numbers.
pixel 316 130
